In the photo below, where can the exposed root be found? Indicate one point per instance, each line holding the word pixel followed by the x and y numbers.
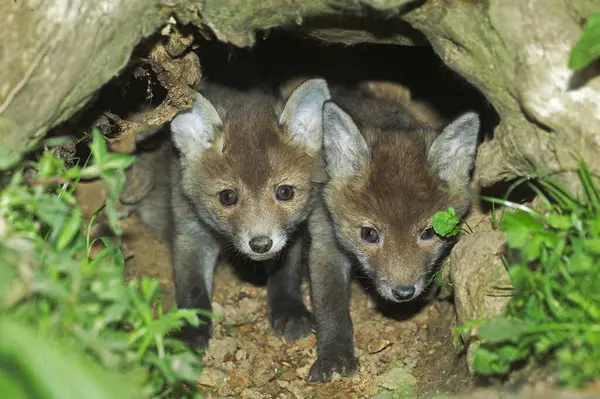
pixel 178 70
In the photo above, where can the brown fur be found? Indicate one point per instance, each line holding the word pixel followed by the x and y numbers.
pixel 386 170
pixel 398 192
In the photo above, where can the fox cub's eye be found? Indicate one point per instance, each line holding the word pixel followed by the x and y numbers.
pixel 284 193
pixel 428 234
pixel 369 234
pixel 228 197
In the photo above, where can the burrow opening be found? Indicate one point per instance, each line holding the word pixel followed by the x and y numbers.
pixel 435 364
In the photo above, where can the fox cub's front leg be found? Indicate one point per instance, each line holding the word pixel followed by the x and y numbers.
pixel 288 315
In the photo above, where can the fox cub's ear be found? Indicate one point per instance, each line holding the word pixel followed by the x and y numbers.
pixel 194 130
pixel 303 113
pixel 452 154
pixel 346 151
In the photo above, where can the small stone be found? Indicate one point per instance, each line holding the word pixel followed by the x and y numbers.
pixel 263 370
pixel 244 365
pixel 274 342
pixel 225 390
pixel 283 384
pixel 248 292
pixel 398 379
pixel 245 311
pixel 297 389
pixel 302 372
pixel 218 349
pixel 251 394
pixel 211 377
pixel 238 381
pixel 410 362
pixel 217 308
pixel 288 376
pixel 227 366
pixel 240 354
pixel 246 328
pixel 423 333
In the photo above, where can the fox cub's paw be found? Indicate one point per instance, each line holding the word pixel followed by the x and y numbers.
pixel 325 366
pixel 292 322
pixel 195 337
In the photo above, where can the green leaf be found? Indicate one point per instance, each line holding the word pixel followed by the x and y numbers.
pixel 580 263
pixel 510 353
pixel 519 227
pixel 42 368
pixel 502 330
pixel 52 210
pixel 104 326
pixel 592 245
pixel 49 166
pixel 118 161
pixel 487 362
pixel 587 49
pixel 562 222
pixel 98 147
pixel 533 248
pixel 446 224
pixel 70 229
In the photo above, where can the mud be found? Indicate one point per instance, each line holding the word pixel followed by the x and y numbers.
pixel 408 355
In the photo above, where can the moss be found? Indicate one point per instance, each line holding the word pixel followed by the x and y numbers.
pixel 236 21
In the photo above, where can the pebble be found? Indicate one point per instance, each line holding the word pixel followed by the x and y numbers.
pixel 263 370
pixel 211 377
pixel 251 394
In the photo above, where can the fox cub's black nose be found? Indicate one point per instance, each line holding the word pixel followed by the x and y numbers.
pixel 261 244
pixel 403 292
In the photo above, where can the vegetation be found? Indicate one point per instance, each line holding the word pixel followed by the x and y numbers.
pixel 587 49
pixel 448 224
pixel 70 326
pixel 553 317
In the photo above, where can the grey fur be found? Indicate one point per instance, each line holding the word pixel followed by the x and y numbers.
pixel 345 149
pixel 452 154
pixel 194 130
pixel 183 204
pixel 303 113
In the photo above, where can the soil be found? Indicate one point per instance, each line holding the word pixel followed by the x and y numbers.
pixel 400 357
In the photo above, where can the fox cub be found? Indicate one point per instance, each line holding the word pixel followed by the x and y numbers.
pixel 388 175
pixel 239 173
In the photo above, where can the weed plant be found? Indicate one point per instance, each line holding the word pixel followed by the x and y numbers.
pixel 70 326
pixel 553 317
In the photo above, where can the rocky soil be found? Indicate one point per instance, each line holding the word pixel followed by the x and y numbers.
pixel 406 353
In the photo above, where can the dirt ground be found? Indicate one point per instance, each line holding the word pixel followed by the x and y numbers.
pixel 408 357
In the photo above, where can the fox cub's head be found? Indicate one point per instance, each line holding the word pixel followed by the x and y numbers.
pixel 250 173
pixel 384 189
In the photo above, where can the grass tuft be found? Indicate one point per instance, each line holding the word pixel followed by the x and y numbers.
pixel 553 316
pixel 70 326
